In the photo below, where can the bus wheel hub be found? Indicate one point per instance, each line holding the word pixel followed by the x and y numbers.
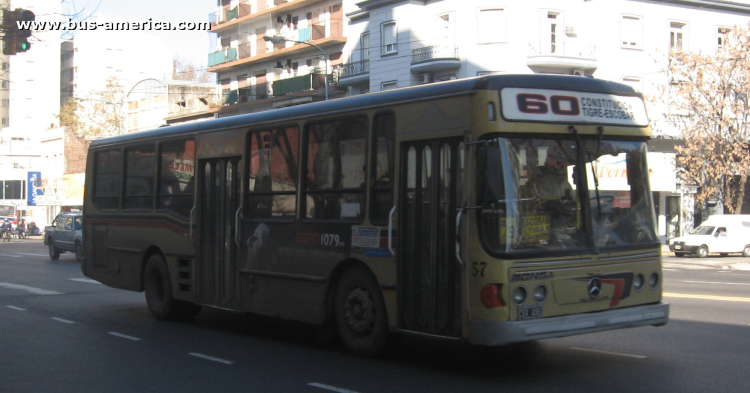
pixel 359 311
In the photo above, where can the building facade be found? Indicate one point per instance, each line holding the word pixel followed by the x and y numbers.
pixel 255 74
pixel 152 103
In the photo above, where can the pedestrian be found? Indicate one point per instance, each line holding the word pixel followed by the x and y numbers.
pixel 21 229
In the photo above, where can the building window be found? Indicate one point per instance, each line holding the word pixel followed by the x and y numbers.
pixel 364 46
pixel 631 31
pixel 389 38
pixel 389 85
pixel 721 35
pixel 677 36
pixel 491 26
pixel 552 22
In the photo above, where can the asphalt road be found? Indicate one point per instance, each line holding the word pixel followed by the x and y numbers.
pixel 62 332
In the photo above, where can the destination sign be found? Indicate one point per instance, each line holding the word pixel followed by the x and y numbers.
pixel 562 106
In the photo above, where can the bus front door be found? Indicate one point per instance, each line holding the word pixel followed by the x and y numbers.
pixel 219 199
pixel 429 276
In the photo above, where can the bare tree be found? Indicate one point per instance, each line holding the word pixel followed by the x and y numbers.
pixel 95 115
pixel 707 97
pixel 185 70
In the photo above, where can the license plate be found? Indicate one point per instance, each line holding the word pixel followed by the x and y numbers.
pixel 678 247
pixel 529 312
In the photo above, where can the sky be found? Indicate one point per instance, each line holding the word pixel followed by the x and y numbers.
pixel 191 45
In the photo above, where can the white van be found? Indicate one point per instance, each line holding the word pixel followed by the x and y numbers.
pixel 723 234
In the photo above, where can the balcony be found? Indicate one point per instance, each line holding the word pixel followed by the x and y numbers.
pixel 220 21
pixel 222 56
pixel 564 56
pixel 352 73
pixel 323 34
pixel 297 84
pixel 229 97
pixel 435 58
pixel 227 14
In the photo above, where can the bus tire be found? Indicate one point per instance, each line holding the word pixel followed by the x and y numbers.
pixel 679 254
pixel 159 289
pixel 54 253
pixel 746 251
pixel 159 293
pixel 361 318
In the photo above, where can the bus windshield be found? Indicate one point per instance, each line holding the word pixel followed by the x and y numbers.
pixel 533 195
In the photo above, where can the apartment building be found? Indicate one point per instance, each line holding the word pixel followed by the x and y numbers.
pixel 152 103
pixel 255 74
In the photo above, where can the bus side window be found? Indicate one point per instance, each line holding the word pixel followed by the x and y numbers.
pixel 336 160
pixel 107 170
pixel 177 177
pixel 139 177
pixel 381 174
pixel 272 183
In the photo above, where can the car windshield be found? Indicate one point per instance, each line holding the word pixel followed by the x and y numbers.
pixel 702 230
pixel 534 195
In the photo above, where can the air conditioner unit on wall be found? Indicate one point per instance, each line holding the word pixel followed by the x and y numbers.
pixel 579 72
pixel 425 77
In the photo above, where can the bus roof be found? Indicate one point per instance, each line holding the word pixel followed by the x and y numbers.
pixel 382 99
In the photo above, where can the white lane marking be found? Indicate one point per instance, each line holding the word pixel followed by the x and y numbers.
pixel 16 308
pixel 669 270
pixel 12 256
pixel 125 336
pixel 36 254
pixel 62 320
pixel 200 355
pixel 610 353
pixel 716 282
pixel 88 280
pixel 329 387
pixel 36 291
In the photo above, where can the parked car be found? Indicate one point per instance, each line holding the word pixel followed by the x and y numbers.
pixel 723 234
pixel 65 234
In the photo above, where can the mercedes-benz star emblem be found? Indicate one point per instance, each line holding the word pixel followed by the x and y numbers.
pixel 595 287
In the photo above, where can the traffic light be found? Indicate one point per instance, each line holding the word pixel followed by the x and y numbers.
pixel 16 40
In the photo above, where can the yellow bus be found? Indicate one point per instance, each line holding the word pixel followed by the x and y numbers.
pixel 469 209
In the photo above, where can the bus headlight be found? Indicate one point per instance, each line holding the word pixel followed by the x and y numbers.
pixel 653 280
pixel 638 282
pixel 519 295
pixel 540 293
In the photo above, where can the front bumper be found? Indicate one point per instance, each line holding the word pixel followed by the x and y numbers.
pixel 683 248
pixel 495 333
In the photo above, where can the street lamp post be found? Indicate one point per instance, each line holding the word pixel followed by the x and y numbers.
pixel 117 110
pixel 278 40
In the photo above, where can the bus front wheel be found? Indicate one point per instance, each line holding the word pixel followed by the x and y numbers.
pixel 360 313
pixel 159 293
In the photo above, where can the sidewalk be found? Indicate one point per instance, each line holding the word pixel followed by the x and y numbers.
pixel 713 260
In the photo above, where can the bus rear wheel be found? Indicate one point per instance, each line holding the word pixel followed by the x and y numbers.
pixel 360 313
pixel 159 293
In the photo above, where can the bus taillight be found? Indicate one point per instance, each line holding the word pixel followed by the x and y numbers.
pixel 492 296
